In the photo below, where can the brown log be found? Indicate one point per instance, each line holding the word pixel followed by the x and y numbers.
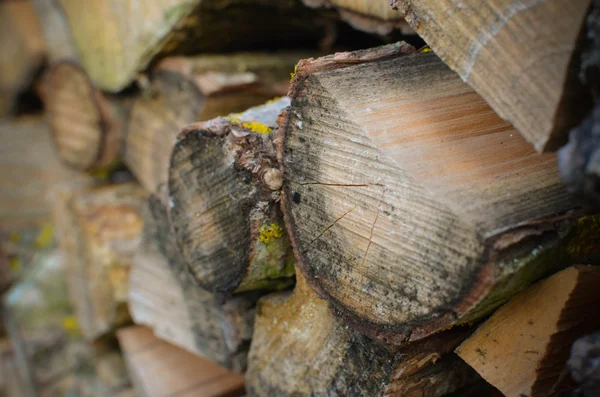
pixel 186 90
pixel 104 227
pixel 22 52
pixel 411 206
pixel 532 85
pixel 87 125
pixel 161 369
pixel 128 34
pixel 224 203
pixel 164 296
pixel 373 16
pixel 300 349
pixel 523 348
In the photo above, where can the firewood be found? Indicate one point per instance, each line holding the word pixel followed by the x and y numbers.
pixel 300 349
pixel 584 364
pixel 375 16
pixel 105 228
pixel 542 99
pixel 410 204
pixel 87 126
pixel 186 90
pixel 22 52
pixel 29 168
pixel 523 348
pixel 164 296
pixel 161 369
pixel 224 186
pixel 116 39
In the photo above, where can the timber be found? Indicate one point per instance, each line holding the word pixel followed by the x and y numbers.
pixel 134 32
pixel 413 207
pixel 87 125
pixel 301 349
pixel 224 185
pixel 523 348
pixel 184 90
pixel 542 99
pixel 104 226
pixel 160 369
pixel 164 296
pixel 23 52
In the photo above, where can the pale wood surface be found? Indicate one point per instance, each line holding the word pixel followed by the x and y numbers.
pixel 523 347
pixel 55 30
pixel 408 200
pixel 530 84
pixel 160 369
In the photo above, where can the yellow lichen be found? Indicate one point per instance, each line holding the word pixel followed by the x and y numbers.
pixel 425 50
pixel 258 128
pixel 70 324
pixel 270 232
pixel 293 74
pixel 44 236
pixel 14 264
pixel 235 118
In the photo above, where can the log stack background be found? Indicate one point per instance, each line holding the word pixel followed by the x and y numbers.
pixel 299 198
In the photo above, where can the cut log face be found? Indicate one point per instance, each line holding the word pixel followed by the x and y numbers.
pixel 412 206
pixel 477 41
pixel 87 126
pixel 164 296
pixel 160 369
pixel 107 228
pixel 523 347
pixel 300 349
pixel 224 186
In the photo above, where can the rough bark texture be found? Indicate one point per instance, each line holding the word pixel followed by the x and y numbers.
pixel 523 348
pixel 164 296
pixel 105 233
pixel 160 369
pixel 134 31
pixel 541 99
pixel 584 364
pixel 87 126
pixel 300 349
pixel 23 52
pixel 413 206
pixel 29 168
pixel 185 90
pixel 375 16
pixel 224 202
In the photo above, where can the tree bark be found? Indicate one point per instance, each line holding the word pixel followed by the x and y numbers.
pixel 87 126
pixel 164 296
pixel 300 349
pixel 543 99
pixel 104 227
pixel 185 90
pixel 523 348
pixel 133 32
pixel 224 203
pixel 161 369
pixel 411 206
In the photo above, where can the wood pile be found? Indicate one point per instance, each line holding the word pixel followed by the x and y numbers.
pixel 300 198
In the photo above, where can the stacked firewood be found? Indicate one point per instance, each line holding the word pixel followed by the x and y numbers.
pixel 300 198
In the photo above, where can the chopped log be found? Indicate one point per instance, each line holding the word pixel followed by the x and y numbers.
pixel 523 348
pixel 186 90
pixel 300 349
pixel 128 34
pixel 532 85
pixel 87 126
pixel 224 185
pixel 22 52
pixel 375 16
pixel 29 168
pixel 164 296
pixel 105 227
pixel 585 365
pixel 412 207
pixel 160 369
